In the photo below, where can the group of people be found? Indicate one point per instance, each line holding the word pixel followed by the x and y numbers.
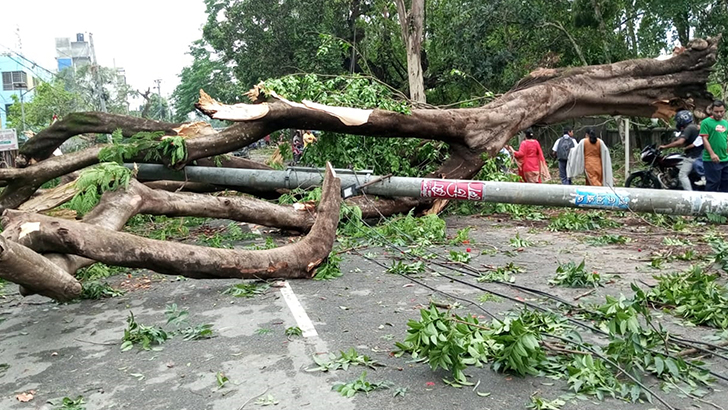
pixel 705 146
pixel 714 137
pixel 589 156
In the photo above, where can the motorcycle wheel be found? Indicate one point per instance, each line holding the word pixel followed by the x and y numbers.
pixel 643 180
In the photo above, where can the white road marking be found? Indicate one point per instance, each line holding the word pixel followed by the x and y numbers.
pixel 302 319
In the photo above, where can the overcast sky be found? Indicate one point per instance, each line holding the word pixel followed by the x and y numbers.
pixel 148 38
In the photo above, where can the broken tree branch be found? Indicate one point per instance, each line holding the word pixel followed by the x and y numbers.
pixel 21 265
pixel 298 260
pixel 642 87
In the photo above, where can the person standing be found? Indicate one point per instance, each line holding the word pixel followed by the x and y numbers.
pixel 561 150
pixel 308 139
pixel 297 145
pixel 533 167
pixel 714 132
pixel 591 156
pixel 688 139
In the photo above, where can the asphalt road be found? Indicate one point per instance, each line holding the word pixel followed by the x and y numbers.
pixel 74 349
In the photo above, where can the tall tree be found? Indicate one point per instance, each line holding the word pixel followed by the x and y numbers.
pixel 412 23
pixel 207 72
pixel 85 81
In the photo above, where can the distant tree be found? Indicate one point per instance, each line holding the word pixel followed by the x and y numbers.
pixel 49 99
pixel 114 90
pixel 72 90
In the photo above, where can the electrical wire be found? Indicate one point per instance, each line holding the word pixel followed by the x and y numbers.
pixel 28 60
pixel 468 301
pixel 475 273
pixel 607 360
pixel 523 302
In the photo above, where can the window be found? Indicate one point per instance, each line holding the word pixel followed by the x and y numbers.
pixel 14 80
pixel 7 109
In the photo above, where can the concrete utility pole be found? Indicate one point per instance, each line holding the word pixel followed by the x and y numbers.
pixel 97 75
pixel 572 196
pixel 159 94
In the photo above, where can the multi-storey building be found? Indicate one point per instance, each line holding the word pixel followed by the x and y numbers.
pixel 73 53
pixel 18 80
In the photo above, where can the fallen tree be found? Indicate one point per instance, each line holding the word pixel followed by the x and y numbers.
pixel 645 87
pixel 28 235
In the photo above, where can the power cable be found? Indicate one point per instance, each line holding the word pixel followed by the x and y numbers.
pixel 607 360
pixel 28 60
pixel 468 301
pixel 523 302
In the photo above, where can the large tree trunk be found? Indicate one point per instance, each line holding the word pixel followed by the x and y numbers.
pixel 412 23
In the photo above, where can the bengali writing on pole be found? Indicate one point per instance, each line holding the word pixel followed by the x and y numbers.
pixel 438 188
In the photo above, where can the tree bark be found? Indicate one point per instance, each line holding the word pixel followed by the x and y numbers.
pixel 237 208
pixel 113 212
pixel 23 182
pixel 21 265
pixel 411 24
pixel 117 207
pixel 297 260
pixel 177 186
pixel 381 207
pixel 45 142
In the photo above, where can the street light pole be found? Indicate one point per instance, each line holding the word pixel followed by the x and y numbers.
pixel 573 196
pixel 22 111
pixel 20 87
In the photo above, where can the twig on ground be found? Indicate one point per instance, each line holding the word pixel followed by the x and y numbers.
pixel 585 294
pixel 254 397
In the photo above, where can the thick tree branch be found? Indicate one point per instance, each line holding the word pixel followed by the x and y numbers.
pixel 25 181
pixel 42 145
pixel 21 265
pixel 644 87
pixel 237 208
pixel 298 260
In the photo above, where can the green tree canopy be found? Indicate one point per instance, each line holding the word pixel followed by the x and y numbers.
pixel 471 48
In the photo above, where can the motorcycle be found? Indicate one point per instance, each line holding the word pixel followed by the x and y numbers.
pixel 663 171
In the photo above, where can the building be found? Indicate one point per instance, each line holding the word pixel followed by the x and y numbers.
pixel 73 53
pixel 18 80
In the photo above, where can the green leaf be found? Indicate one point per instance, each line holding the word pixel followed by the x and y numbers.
pixel 672 367
pixel 126 346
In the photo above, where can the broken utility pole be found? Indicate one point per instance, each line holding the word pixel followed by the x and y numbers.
pixel 573 196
